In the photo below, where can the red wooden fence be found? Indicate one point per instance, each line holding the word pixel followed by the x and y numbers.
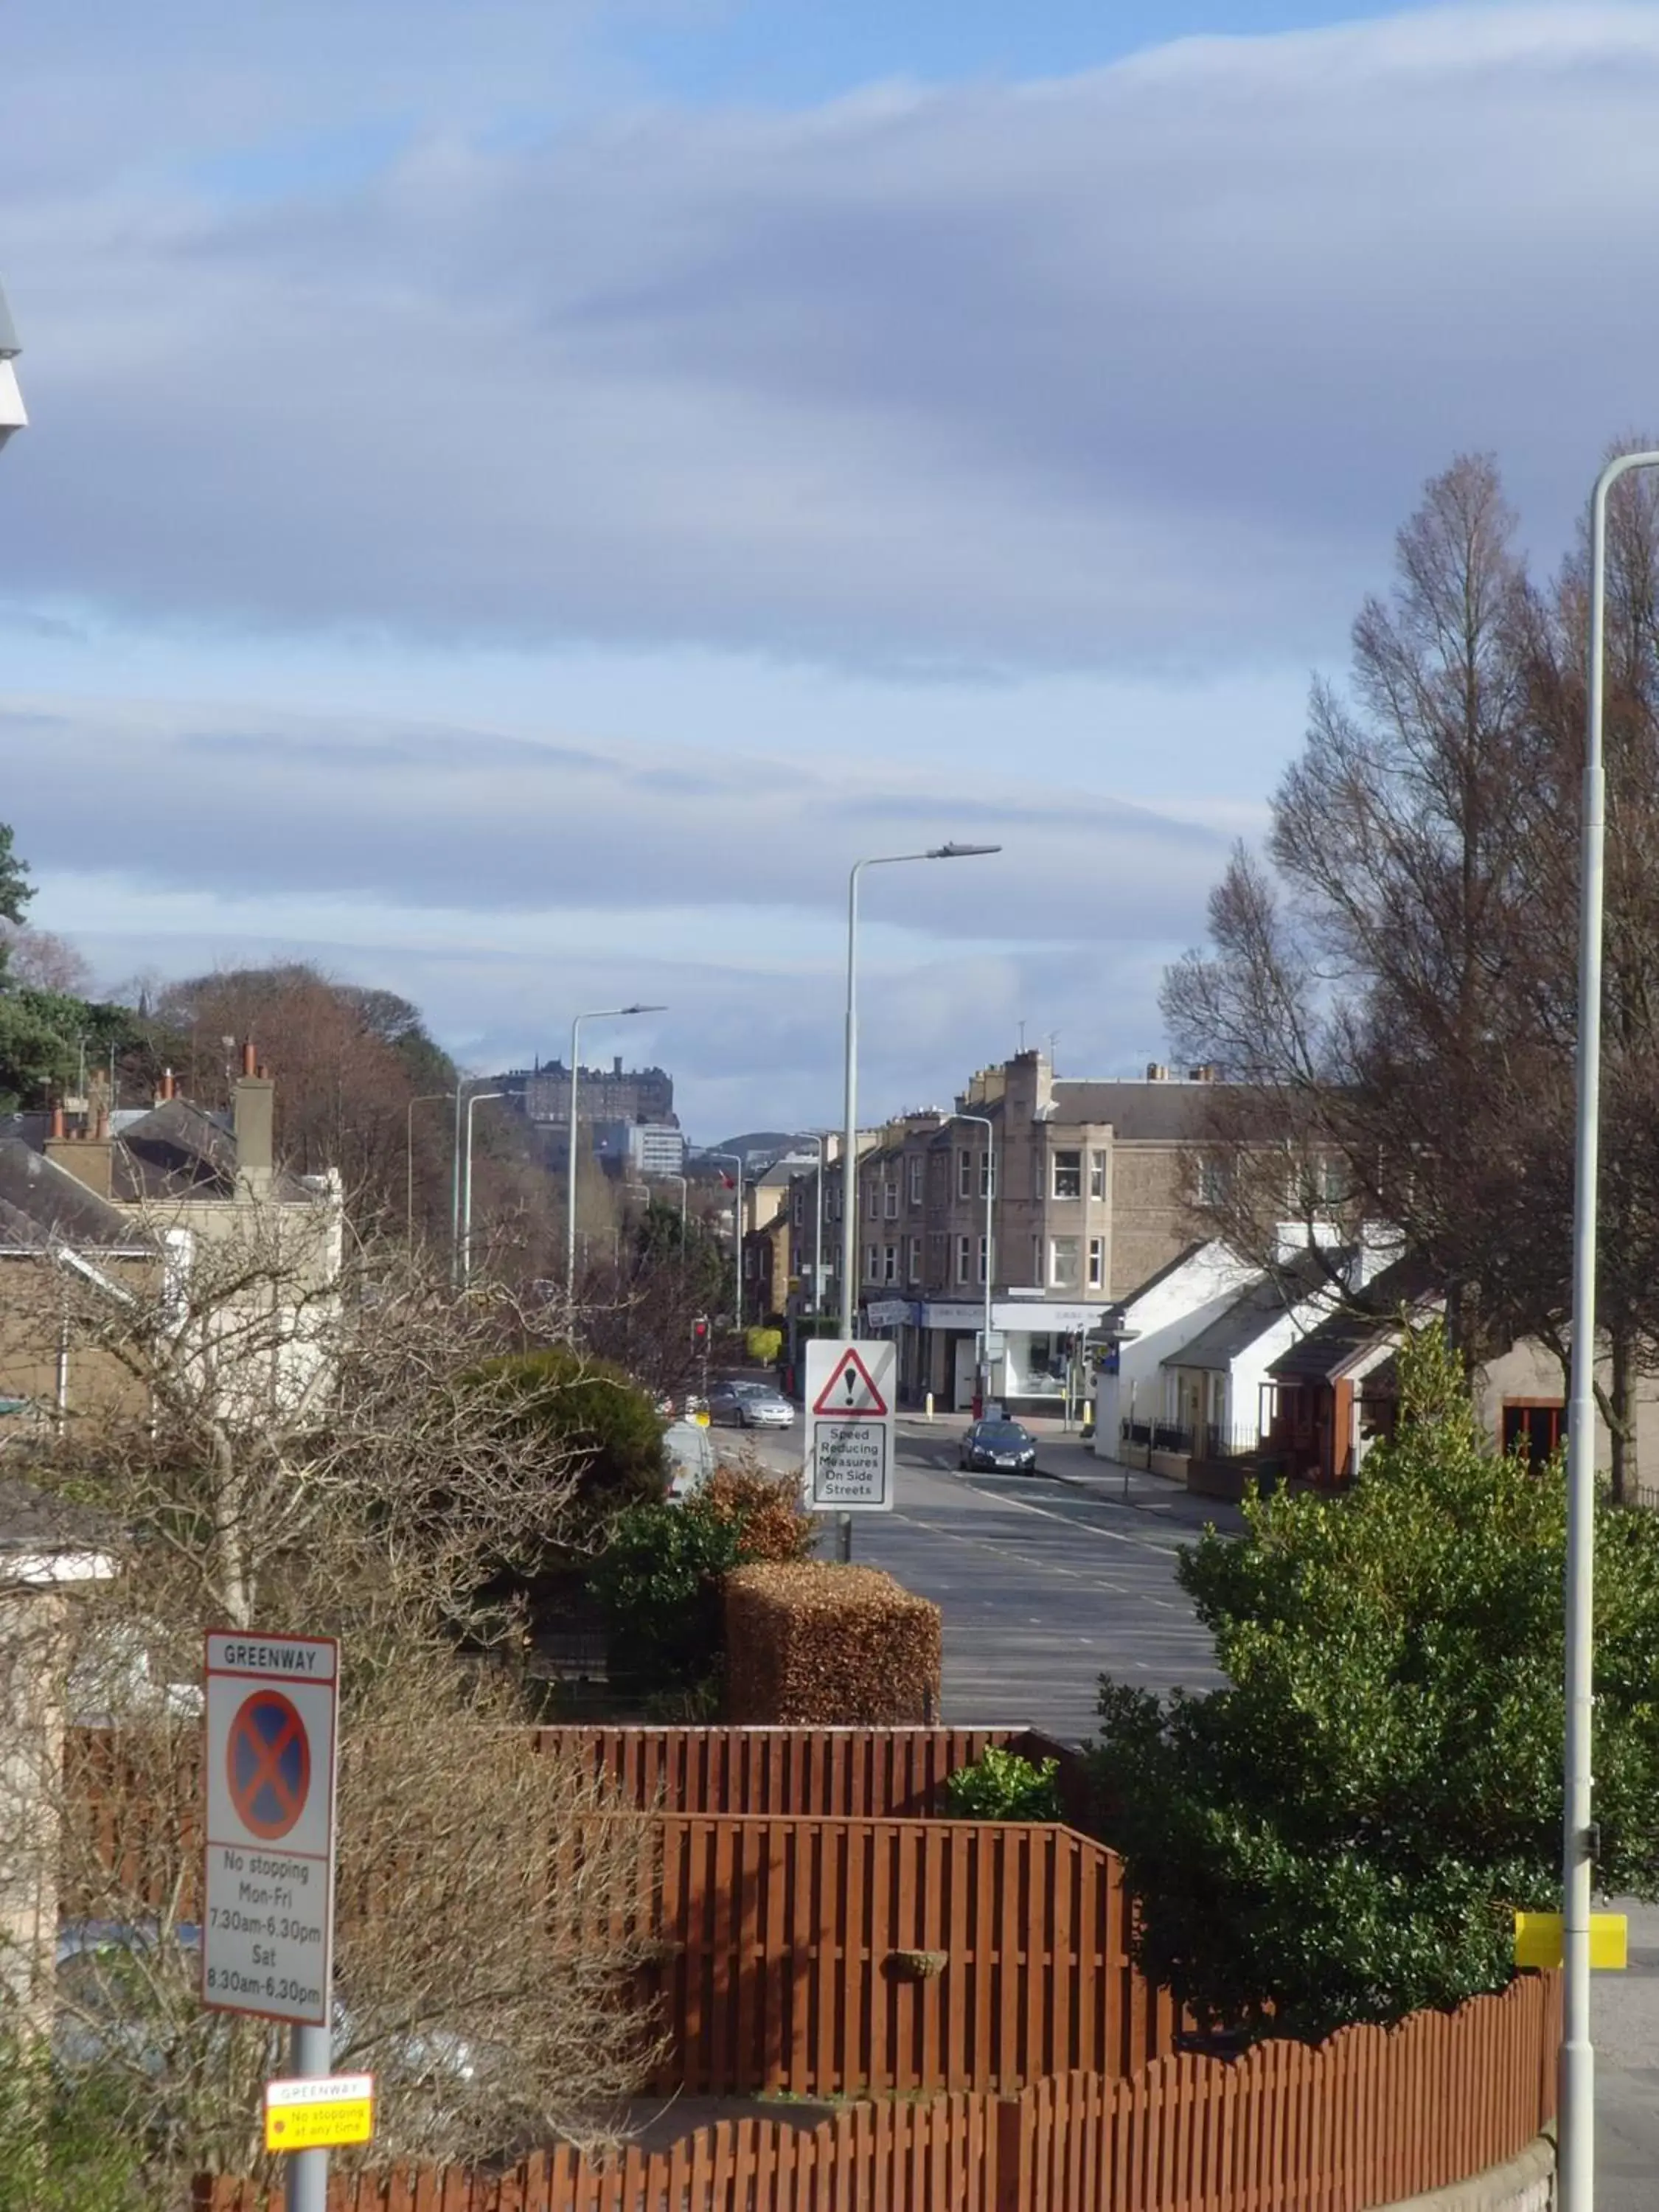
pixel 896 1773
pixel 1367 2119
pixel 826 1956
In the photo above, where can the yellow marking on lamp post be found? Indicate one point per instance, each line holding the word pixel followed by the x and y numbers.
pixel 1539 1940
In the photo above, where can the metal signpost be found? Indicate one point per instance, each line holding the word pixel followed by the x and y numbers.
pixel 268 1923
pixel 851 1390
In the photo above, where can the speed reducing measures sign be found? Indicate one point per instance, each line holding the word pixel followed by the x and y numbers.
pixel 268 1929
pixel 851 1389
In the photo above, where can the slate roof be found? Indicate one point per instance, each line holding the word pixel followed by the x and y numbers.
pixel 31 1521
pixel 1324 1352
pixel 1171 1112
pixel 42 1204
pixel 1267 1300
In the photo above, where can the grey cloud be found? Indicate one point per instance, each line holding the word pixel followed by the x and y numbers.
pixel 446 818
pixel 1138 367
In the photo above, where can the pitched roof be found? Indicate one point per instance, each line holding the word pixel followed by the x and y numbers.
pixel 42 1204
pixel 1324 1352
pixel 1172 1112
pixel 178 1151
pixel 1267 1300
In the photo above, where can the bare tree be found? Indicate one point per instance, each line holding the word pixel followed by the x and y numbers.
pixel 40 960
pixel 287 1445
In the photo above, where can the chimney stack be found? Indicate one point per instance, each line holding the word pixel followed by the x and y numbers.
pixel 254 1122
pixel 89 1157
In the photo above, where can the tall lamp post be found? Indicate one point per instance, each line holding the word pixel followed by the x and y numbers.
pixel 849 1165
pixel 736 1159
pixel 478 1098
pixel 990 1127
pixel 1577 2098
pixel 13 416
pixel 599 1014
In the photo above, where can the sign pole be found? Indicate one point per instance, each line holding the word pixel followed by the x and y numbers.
pixel 307 2170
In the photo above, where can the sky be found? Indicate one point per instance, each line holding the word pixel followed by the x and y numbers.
pixel 519 497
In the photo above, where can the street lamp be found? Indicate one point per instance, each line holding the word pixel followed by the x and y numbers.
pixel 602 1014
pixel 13 416
pixel 478 1098
pixel 990 1127
pixel 849 1166
pixel 1577 2098
pixel 737 1231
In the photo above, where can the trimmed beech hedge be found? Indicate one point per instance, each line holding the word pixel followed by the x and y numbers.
pixel 819 1645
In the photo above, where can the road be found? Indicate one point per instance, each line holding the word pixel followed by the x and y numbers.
pixel 1047 1581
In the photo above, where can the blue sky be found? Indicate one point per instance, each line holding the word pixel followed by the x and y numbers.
pixel 518 497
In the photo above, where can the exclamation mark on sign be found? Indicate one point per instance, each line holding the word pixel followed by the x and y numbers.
pixel 851 1381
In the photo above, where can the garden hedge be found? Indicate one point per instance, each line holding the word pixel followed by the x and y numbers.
pixel 813 1644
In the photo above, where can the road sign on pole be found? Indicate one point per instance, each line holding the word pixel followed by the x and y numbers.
pixel 268 1923
pixel 851 1390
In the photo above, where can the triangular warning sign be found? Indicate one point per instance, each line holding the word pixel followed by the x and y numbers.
pixel 849 1389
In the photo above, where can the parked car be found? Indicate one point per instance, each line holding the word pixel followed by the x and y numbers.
pixel 689 1451
pixel 999 1444
pixel 751 1405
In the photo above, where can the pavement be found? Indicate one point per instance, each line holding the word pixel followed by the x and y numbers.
pixel 1047 1581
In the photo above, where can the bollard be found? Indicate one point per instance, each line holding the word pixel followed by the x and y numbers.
pixel 928 1406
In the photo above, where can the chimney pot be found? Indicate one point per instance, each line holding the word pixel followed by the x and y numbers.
pixel 58 1130
pixel 250 1066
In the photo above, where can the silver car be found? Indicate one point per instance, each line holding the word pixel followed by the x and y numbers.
pixel 751 1405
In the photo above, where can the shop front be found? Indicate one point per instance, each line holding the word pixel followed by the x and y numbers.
pixel 1036 1346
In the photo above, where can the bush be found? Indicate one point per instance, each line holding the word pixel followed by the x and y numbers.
pixel 66 2145
pixel 763 1345
pixel 1003 1786
pixel 658 1583
pixel 1343 1833
pixel 590 1408
pixel 820 1645
pixel 772 1522
pixel 659 1578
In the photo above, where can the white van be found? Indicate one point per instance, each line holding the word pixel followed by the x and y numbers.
pixel 689 1451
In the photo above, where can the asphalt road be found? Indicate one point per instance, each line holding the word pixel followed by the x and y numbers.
pixel 1044 1584
pixel 1047 1581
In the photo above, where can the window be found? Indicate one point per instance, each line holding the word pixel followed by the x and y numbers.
pixel 1214 1180
pixel 913 1274
pixel 1062 1263
pixel 798 1210
pixel 1096 1262
pixel 1331 1181
pixel 984 1256
pixel 1097 1175
pixel 872 1207
pixel 1069 1175
pixel 987 1175
pixel 915 1178
pixel 872 1263
pixel 1037 1259
pixel 890 1263
pixel 964 1254
pixel 890 1201
pixel 964 1174
pixel 939 1253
